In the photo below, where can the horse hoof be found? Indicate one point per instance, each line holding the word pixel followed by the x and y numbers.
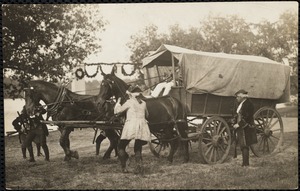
pixel 46 159
pixel 124 170
pixel 67 158
pixel 31 160
pixel 76 155
pixel 106 157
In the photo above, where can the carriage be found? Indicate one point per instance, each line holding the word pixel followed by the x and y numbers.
pixel 206 83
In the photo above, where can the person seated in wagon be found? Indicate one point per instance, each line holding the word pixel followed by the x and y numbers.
pixel 164 88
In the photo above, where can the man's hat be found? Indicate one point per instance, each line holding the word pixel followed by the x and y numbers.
pixel 241 92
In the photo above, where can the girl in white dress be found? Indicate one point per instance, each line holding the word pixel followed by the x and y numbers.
pixel 135 127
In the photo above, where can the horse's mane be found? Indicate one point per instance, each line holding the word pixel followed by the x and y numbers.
pixel 56 87
pixel 122 84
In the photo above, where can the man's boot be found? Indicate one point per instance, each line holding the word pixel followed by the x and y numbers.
pixel 31 159
pixel 123 157
pixel 38 149
pixel 24 153
pixel 46 151
pixel 139 169
pixel 99 139
pixel 245 154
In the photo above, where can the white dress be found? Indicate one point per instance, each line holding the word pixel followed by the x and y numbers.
pixel 163 86
pixel 136 125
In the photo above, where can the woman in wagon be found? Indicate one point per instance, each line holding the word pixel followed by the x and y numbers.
pixel 164 88
pixel 135 127
pixel 246 132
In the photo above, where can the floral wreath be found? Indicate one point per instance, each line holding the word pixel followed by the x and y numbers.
pixel 132 72
pixel 79 73
pixel 113 69
pixel 93 75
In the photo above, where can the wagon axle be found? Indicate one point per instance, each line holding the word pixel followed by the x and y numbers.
pixel 268 132
pixel 217 141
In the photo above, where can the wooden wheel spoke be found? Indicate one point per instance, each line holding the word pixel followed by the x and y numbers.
pixel 221 147
pixel 274 124
pixel 271 119
pixel 208 150
pixel 219 128
pixel 261 142
pixel 215 154
pixel 272 142
pixel 275 137
pixel 267 145
pixel 215 128
pixel 204 138
pixel 222 130
pixel 276 130
pixel 267 117
pixel 208 144
pixel 264 145
pixel 211 154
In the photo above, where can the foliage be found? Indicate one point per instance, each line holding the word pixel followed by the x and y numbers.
pixel 47 40
pixel 230 34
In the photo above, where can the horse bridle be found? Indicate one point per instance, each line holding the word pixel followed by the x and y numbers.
pixel 110 83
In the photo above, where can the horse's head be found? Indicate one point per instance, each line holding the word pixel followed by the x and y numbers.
pixel 111 86
pixel 32 99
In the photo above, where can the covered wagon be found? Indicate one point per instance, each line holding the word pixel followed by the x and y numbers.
pixel 207 83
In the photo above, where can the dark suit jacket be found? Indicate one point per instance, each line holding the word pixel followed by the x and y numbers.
pixel 247 122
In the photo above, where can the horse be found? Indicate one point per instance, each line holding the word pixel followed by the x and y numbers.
pixel 165 113
pixel 64 105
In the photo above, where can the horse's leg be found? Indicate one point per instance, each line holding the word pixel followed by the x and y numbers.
pixel 43 143
pixel 28 143
pixel 23 144
pixel 38 149
pixel 113 138
pixel 173 142
pixel 99 140
pixel 65 143
pixel 184 143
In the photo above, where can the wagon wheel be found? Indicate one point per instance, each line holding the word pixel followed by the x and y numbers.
pixel 269 131
pixel 158 147
pixel 215 140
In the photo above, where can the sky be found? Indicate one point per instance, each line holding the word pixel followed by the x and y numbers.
pixel 125 20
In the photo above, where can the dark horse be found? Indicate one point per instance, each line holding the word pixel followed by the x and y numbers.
pixel 165 113
pixel 64 105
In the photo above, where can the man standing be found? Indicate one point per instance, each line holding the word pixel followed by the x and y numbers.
pixel 21 125
pixel 37 130
pixel 245 129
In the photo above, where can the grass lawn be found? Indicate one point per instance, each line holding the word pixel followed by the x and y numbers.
pixel 274 171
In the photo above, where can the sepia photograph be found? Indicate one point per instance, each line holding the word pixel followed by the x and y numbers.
pixel 187 95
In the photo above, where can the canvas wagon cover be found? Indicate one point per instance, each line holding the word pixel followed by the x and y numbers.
pixel 224 74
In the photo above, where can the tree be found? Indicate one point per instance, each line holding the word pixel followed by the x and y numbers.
pixel 229 34
pixel 149 40
pixel 146 41
pixel 47 40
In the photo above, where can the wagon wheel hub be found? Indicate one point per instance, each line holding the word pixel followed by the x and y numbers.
pixel 268 132
pixel 217 140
